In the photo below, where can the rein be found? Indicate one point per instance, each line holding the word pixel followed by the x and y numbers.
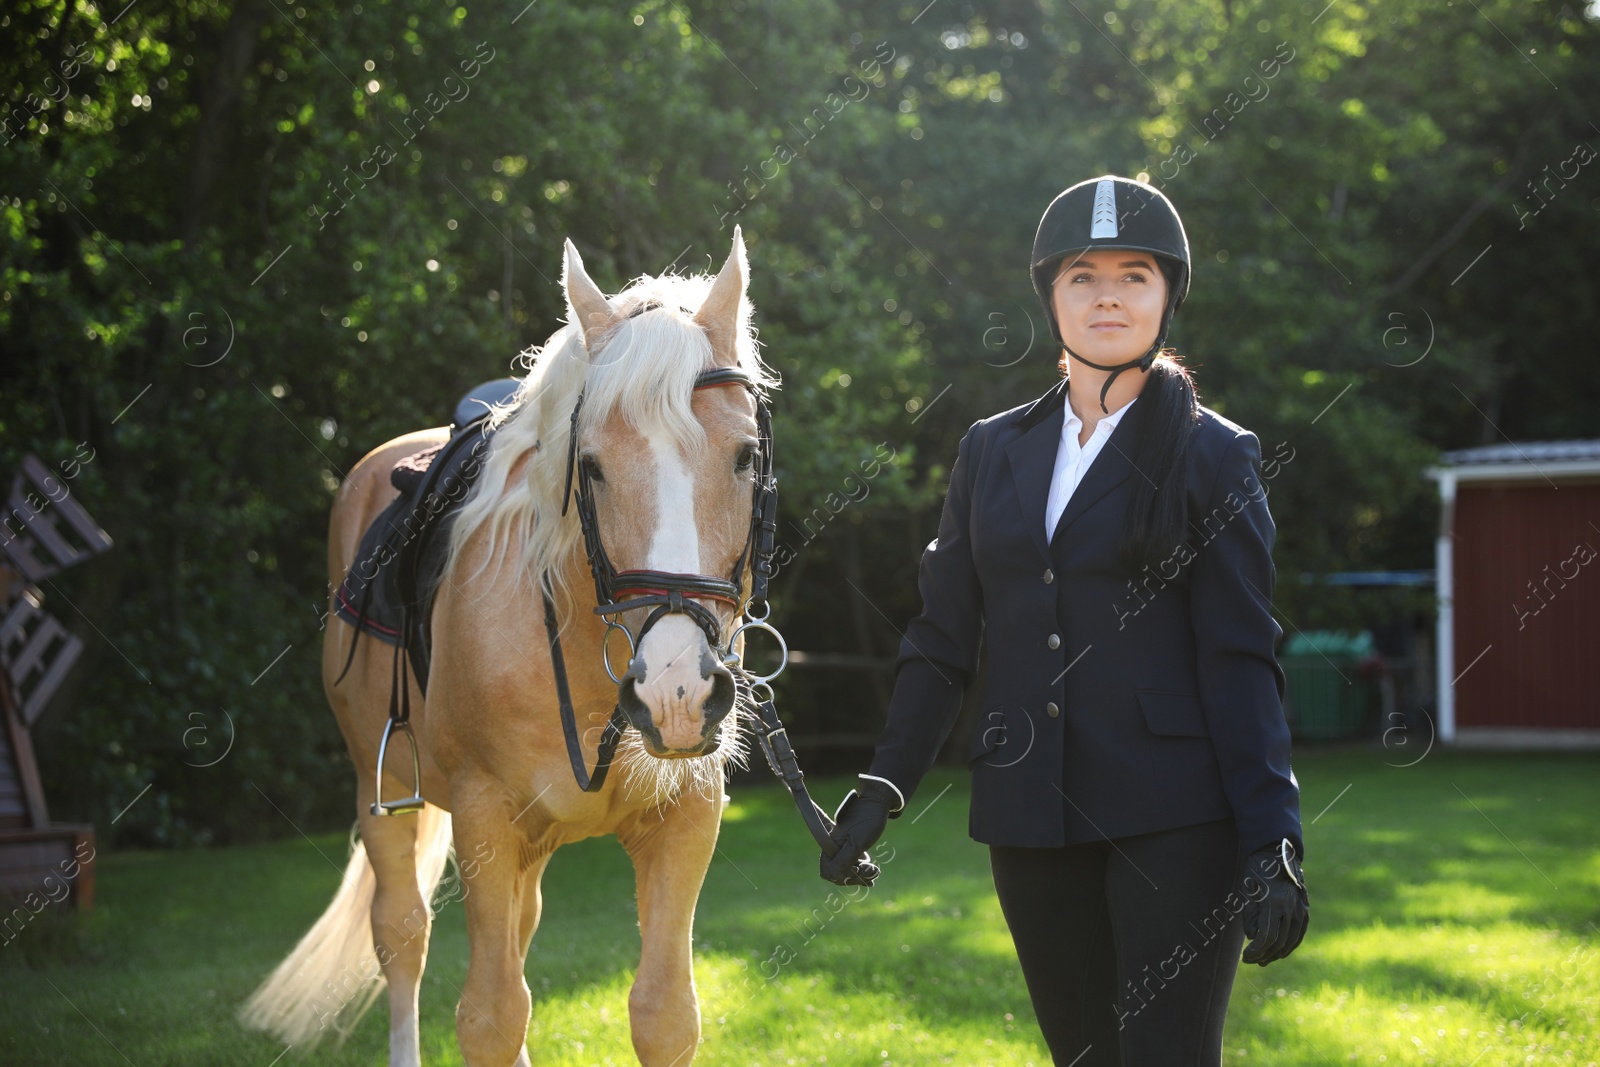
pixel 678 594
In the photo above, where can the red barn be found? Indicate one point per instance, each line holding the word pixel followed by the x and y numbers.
pixel 1518 561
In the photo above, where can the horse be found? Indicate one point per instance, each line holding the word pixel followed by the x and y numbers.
pixel 666 471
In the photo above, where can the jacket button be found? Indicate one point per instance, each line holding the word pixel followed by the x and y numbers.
pixel 1049 576
pixel 1051 710
pixel 1054 640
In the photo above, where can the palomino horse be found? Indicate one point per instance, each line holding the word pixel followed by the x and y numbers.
pixel 669 470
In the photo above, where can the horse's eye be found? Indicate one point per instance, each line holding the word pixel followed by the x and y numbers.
pixel 591 469
pixel 747 457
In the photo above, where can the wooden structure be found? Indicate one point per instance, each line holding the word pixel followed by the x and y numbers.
pixel 1519 594
pixel 42 531
pixel 40 861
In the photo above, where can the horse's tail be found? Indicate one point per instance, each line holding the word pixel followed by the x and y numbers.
pixel 332 976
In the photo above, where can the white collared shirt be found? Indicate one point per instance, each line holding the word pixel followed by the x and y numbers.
pixel 1072 460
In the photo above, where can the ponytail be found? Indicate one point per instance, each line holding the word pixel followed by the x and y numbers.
pixel 1156 521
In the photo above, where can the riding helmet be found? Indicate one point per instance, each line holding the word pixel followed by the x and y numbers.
pixel 1119 213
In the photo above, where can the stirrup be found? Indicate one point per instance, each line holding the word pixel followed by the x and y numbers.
pixel 406 805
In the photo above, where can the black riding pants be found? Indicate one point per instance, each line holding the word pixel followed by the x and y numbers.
pixel 1129 946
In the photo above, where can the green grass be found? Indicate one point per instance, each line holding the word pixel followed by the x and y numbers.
pixel 1455 907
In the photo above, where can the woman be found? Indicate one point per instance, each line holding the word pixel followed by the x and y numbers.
pixel 1110 544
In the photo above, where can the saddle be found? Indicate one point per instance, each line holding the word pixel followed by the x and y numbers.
pixel 388 589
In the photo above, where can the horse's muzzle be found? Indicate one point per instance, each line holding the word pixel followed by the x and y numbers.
pixel 677 712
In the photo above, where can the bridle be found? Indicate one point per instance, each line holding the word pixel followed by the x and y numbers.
pixel 669 594
pixel 679 594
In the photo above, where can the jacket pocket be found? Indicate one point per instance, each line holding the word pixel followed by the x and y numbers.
pixel 990 734
pixel 1172 714
pixel 1004 737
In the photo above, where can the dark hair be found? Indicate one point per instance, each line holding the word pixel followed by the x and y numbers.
pixel 1157 518
pixel 1156 521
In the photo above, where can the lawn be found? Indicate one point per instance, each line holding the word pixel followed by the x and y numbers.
pixel 1455 905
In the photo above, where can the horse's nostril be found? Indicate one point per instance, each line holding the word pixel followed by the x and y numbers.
pixel 628 699
pixel 720 700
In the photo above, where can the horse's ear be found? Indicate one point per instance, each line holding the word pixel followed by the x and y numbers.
pixel 587 306
pixel 726 311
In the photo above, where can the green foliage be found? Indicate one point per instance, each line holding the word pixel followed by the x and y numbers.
pixel 363 209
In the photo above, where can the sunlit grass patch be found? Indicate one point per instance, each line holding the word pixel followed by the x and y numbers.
pixel 1455 898
pixel 847 1011
pixel 1453 923
pixel 1442 994
pixel 585 1026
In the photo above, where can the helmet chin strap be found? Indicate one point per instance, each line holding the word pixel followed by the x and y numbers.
pixel 1143 363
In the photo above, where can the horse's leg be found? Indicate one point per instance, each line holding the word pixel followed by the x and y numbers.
pixel 492 1016
pixel 532 903
pixel 671 850
pixel 401 917
pixel 532 908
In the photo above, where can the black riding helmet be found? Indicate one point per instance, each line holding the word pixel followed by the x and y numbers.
pixel 1115 213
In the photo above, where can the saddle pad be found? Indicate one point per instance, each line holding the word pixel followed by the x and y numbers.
pixel 402 552
pixel 409 473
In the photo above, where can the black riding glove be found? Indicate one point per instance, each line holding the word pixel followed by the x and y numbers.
pixel 1274 920
pixel 860 821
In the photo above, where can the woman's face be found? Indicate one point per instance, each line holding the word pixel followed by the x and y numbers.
pixel 1108 304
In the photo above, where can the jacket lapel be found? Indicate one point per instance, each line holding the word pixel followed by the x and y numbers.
pixel 1033 459
pixel 1032 456
pixel 1110 469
